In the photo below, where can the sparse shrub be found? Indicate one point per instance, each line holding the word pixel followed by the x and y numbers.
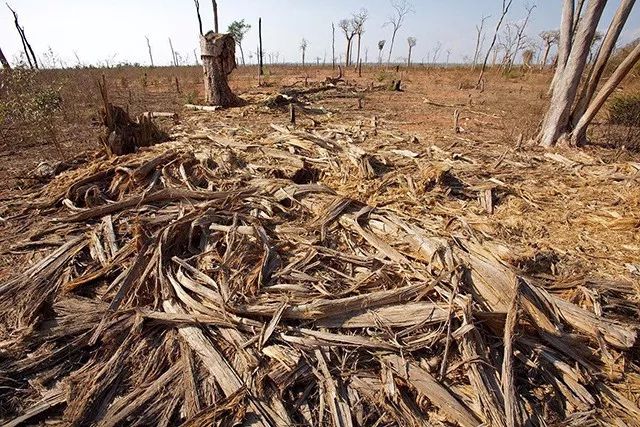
pixel 625 110
pixel 28 106
pixel 192 97
pixel 383 76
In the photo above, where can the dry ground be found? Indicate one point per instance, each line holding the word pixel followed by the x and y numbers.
pixel 577 214
pixel 566 221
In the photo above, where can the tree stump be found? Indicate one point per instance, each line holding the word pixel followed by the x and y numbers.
pixel 218 61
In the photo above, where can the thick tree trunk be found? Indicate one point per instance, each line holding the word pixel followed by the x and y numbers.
pixel 606 49
pixel 409 59
pixel 3 61
pixel 558 117
pixel 579 135
pixel 218 61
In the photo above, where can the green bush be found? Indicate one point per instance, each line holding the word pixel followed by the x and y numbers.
pixel 625 110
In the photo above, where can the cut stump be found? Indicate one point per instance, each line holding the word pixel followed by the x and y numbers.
pixel 218 61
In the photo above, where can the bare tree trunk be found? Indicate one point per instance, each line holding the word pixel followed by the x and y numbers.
pixel 215 16
pixel 174 58
pixel 579 135
pixel 358 54
pixel 3 61
pixel 393 40
pixel 241 53
pixel 506 5
pixel 28 50
pixel 409 58
pixel 150 53
pixel 333 45
pixel 260 46
pixel 347 60
pixel 606 49
pixel 197 3
pixel 218 61
pixel 557 120
pixel 519 36
pixel 545 58
pixel 479 30
pixel 566 40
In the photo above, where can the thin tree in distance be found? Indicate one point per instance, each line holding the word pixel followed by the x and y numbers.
pixel 506 5
pixel 346 25
pixel 401 8
pixel 549 39
pixel 150 52
pixel 412 43
pixel 358 26
pixel 238 29
pixel 520 35
pixel 480 36
pixel 333 46
pixel 381 44
pixel 303 47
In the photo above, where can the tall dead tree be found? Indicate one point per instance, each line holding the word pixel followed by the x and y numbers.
pixel 3 61
pixel 506 5
pixel 215 16
pixel 346 25
pixel 520 35
pixel 303 47
pixel 28 50
pixel 401 9
pixel 381 44
pixel 150 52
pixel 333 46
pixel 549 38
pixel 358 25
pixel 260 57
pixel 197 3
pixel 569 115
pixel 604 54
pixel 412 43
pixel 174 58
pixel 480 36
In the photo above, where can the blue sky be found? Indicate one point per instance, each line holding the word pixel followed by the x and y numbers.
pixel 115 30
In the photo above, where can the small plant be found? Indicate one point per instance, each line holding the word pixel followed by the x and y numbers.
pixel 192 97
pixel 625 110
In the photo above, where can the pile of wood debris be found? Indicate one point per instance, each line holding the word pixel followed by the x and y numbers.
pixel 210 281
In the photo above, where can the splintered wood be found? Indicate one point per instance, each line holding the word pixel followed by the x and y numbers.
pixel 233 282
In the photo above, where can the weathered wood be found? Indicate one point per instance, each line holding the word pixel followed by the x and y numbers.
pixel 606 49
pixel 218 61
pixel 557 120
pixel 579 135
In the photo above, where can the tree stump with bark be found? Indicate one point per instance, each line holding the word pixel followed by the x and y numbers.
pixel 218 61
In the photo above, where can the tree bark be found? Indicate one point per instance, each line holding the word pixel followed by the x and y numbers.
pixel 606 49
pixel 409 59
pixel 393 40
pixel 3 61
pixel 557 120
pixel 579 135
pixel 566 39
pixel 218 61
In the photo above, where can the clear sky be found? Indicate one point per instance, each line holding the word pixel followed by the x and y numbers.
pixel 115 30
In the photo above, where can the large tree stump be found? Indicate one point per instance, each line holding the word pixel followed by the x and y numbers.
pixel 218 61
